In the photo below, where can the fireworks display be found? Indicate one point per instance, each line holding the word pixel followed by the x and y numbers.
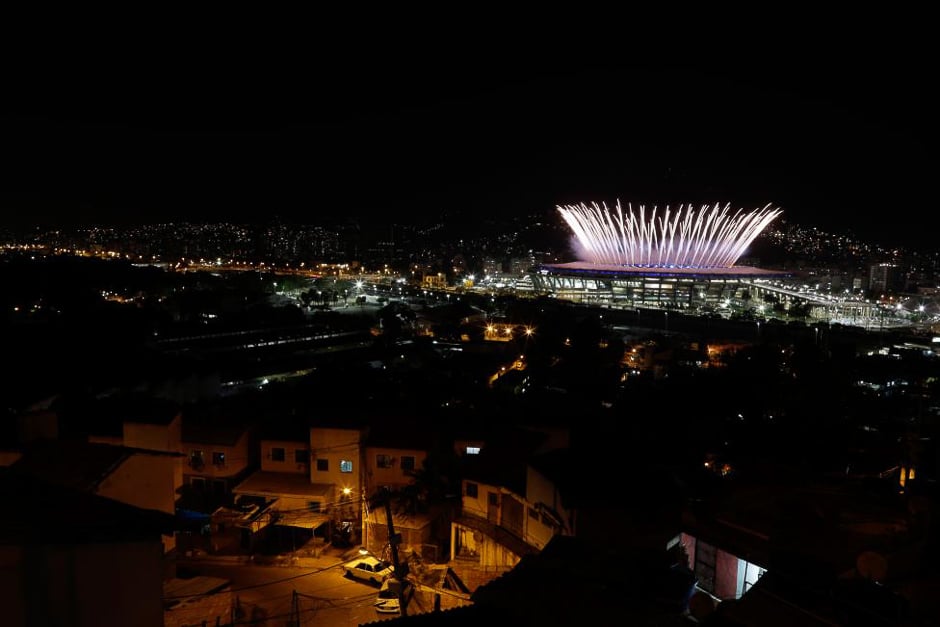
pixel 707 237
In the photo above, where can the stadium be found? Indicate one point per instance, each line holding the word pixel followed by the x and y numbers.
pixel 682 258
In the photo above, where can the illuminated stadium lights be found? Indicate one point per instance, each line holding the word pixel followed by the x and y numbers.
pixel 708 237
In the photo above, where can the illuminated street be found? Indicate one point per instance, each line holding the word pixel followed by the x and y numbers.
pixel 327 598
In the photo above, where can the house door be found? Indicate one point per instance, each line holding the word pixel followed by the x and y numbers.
pixel 492 507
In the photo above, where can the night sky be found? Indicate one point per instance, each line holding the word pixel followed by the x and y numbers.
pixel 325 133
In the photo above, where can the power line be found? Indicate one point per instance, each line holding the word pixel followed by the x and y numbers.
pixel 258 585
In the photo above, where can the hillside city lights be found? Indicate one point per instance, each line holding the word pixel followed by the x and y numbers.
pixel 707 237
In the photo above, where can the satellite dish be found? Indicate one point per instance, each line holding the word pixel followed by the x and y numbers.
pixel 872 565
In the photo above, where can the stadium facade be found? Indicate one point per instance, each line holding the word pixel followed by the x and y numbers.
pixel 681 288
pixel 681 258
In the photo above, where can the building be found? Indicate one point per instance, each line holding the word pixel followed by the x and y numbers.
pixel 309 485
pixel 395 468
pixel 780 550
pixel 510 505
pixel 218 457
pixel 71 557
pixel 143 478
pixel 692 288
pixel 884 278
pixel 336 460
pixel 282 490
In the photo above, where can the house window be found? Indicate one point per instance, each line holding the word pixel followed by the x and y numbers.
pixel 473 450
pixel 313 506
pixel 407 462
pixel 345 465
pixel 492 498
pixel 218 458
pixel 323 465
pixel 472 490
pixel 533 513
pixel 277 454
pixel 301 456
pixel 196 460
pixel 384 461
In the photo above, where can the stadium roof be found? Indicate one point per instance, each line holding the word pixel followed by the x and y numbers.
pixel 596 270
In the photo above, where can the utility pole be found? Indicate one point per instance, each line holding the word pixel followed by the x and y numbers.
pixel 399 570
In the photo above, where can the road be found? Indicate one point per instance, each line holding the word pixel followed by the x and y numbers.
pixel 326 598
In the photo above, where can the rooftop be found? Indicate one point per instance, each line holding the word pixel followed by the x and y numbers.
pixel 282 483
pixel 46 513
pixel 76 464
pixel 589 269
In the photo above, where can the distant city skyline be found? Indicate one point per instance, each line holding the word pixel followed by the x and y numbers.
pixel 839 147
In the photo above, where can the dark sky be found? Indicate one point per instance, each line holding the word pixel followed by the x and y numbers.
pixel 317 133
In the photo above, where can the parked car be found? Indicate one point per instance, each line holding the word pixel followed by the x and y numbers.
pixel 368 568
pixel 388 600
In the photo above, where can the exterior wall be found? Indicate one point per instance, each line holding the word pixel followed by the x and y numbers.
pixel 732 575
pixel 510 511
pixel 287 503
pixel 394 475
pixel 688 543
pixel 269 464
pixel 537 533
pixel 412 538
pixel 145 481
pixel 155 437
pixel 159 438
pixel 726 576
pixel 479 505
pixel 88 585
pixel 540 489
pixel 469 544
pixel 337 446
pixel 236 458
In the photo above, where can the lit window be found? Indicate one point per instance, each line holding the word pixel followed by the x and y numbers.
pixel 407 462
pixel 473 450
pixel 277 454
pixel 345 465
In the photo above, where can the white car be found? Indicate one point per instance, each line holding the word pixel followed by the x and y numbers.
pixel 388 600
pixel 368 568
